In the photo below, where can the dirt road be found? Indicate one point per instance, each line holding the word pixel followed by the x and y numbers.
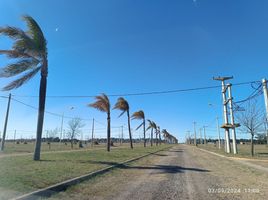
pixel 183 172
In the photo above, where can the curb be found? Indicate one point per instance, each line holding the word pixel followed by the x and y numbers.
pixel 62 186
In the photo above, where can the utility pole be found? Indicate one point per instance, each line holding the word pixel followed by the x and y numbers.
pixel 218 129
pixel 194 134
pixel 122 134
pixel 92 133
pixel 205 139
pixel 232 118
pixel 5 125
pixel 227 134
pixel 15 137
pixel 200 132
pixel 61 126
pixel 189 136
pixel 265 93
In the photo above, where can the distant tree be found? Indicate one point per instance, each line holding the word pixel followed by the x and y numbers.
pixel 123 105
pixel 53 133
pixel 75 126
pixel 140 115
pixel 102 104
pixel 30 52
pixel 251 121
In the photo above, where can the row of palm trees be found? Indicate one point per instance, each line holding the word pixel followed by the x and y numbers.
pixel 30 53
pixel 102 104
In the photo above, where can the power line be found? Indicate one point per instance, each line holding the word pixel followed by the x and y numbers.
pixel 48 112
pixel 142 93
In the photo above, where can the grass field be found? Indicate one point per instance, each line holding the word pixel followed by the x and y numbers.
pixel 11 147
pixel 19 174
pixel 261 151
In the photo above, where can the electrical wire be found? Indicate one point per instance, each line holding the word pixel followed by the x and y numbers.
pixel 142 93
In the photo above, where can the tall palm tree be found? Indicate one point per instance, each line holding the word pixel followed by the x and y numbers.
pixel 123 105
pixel 140 115
pixel 30 51
pixel 102 104
pixel 159 134
pixel 151 126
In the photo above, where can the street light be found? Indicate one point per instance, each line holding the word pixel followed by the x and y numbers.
pixel 61 128
pixel 218 127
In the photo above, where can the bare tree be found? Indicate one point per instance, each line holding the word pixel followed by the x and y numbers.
pixel 251 121
pixel 75 126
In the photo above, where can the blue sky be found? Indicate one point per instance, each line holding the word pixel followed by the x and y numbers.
pixel 127 46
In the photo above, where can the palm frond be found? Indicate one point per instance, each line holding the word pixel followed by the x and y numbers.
pixel 139 126
pixel 138 115
pixel 17 68
pixel 15 54
pixel 19 82
pixel 13 32
pixel 122 105
pixel 102 103
pixel 36 33
pixel 23 42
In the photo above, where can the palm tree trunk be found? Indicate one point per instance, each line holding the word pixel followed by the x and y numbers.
pixel 156 138
pixel 144 136
pixel 252 145
pixel 152 132
pixel 41 112
pixel 129 130
pixel 108 131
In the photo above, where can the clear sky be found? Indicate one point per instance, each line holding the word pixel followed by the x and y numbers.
pixel 127 46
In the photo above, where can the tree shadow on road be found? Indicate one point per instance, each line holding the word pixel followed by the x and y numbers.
pixel 177 150
pixel 170 169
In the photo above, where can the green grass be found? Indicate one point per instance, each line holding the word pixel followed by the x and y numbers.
pixel 261 151
pixel 21 174
pixel 11 147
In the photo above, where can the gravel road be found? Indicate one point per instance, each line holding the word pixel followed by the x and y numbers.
pixel 183 172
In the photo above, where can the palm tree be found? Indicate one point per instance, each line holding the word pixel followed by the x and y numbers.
pixel 159 134
pixel 122 105
pixel 166 134
pixel 151 126
pixel 30 51
pixel 102 104
pixel 140 115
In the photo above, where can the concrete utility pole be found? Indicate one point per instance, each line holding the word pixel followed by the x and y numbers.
pixel 218 129
pixel 5 125
pixel 225 102
pixel 232 117
pixel 205 139
pixel 92 133
pixel 194 134
pixel 265 93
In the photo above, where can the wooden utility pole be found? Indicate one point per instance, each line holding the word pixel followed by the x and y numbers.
pixel 15 136
pixel 200 132
pixel 5 125
pixel 92 133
